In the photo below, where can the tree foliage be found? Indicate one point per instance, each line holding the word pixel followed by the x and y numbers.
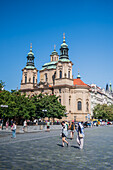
pixel 37 106
pixel 103 112
pixel 2 84
pixel 48 106
pixel 19 106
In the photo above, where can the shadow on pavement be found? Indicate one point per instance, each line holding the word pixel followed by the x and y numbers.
pixel 60 145
pixel 77 147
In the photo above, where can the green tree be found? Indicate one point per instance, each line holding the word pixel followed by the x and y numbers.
pixel 49 103
pixel 103 112
pixel 19 106
pixel 2 84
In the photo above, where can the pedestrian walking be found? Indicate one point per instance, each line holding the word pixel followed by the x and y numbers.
pixel 11 122
pixel 64 134
pixel 48 126
pixel 80 135
pixel 24 125
pixel 7 124
pixel 72 128
pixel 0 124
pixel 13 128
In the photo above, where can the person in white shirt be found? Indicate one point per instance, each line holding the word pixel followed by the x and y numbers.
pixel 24 125
pixel 64 133
pixel 13 128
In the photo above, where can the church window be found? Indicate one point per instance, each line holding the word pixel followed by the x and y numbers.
pixel 59 90
pixel 60 74
pixel 79 105
pixel 33 79
pixel 25 78
pixel 87 106
pixel 69 74
pixel 45 77
pixel 60 100
pixel 69 101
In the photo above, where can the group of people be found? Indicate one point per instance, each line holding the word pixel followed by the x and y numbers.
pixel 71 127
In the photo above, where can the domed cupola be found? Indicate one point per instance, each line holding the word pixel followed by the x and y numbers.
pixel 54 52
pixel 64 49
pixel 78 76
pixel 30 57
pixel 54 55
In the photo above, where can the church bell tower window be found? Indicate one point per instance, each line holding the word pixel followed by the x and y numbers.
pixel 26 79
pixel 33 80
pixel 60 74
pixel 45 77
pixel 69 74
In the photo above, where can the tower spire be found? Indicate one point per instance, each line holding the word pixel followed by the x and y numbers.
pixel 63 37
pixel 78 76
pixel 110 87
pixel 31 47
pixel 54 47
pixel 30 57
pixel 64 49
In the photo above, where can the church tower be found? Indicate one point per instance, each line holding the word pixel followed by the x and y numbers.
pixel 48 71
pixel 64 66
pixel 29 73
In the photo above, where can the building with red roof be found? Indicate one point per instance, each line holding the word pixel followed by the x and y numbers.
pixel 56 78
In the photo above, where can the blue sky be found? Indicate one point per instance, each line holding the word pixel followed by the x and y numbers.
pixel 88 25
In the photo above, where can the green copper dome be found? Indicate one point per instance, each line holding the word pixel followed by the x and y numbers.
pixel 78 76
pixel 64 49
pixel 54 52
pixel 31 53
pixel 30 58
pixel 50 65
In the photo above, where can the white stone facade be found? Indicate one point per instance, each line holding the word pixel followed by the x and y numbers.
pixel 99 96
pixel 56 78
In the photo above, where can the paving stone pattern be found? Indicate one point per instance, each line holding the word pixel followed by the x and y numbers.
pixel 43 150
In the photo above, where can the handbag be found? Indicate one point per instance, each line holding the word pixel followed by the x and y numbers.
pixel 80 135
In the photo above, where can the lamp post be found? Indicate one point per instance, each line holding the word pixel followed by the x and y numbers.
pixel 3 106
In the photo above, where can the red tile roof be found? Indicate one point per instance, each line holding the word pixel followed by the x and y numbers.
pixel 79 82
pixel 50 85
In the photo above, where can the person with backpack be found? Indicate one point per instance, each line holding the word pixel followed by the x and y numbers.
pixel 64 133
pixel 72 128
pixel 80 135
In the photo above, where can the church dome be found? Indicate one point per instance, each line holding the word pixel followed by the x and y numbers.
pixel 64 45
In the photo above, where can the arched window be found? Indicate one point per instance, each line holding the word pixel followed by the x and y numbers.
pixel 69 74
pixel 87 106
pixel 69 101
pixel 33 79
pixel 25 78
pixel 45 77
pixel 79 105
pixel 60 74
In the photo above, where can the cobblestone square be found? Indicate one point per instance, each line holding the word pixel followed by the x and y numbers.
pixel 43 150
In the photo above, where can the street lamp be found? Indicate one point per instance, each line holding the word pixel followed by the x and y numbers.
pixel 3 106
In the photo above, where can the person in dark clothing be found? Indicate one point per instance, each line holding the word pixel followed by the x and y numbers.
pixel 72 128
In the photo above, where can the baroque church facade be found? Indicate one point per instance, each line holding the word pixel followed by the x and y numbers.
pixel 56 78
